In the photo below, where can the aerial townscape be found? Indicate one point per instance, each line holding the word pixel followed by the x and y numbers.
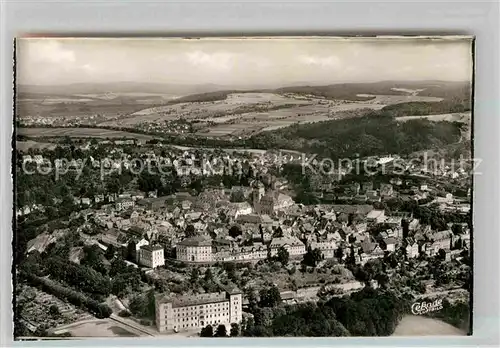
pixel 199 210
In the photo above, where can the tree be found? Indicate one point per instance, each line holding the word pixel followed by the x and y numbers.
pixel 235 330
pixel 137 304
pixel 208 275
pixel 119 286
pixel 457 229
pixel 53 310
pixel 195 275
pixel 283 256
pixel 235 231
pixel 190 231
pixel 221 331
pixel 339 254
pixel 131 251
pixel 207 331
pixel 278 232
pixel 270 297
pixel 110 252
pixel 312 257
pixel 441 254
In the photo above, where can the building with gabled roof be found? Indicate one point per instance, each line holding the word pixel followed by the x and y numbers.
pixel 292 244
pixel 195 249
pixel 151 256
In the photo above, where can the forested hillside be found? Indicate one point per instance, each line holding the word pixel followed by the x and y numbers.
pixel 375 133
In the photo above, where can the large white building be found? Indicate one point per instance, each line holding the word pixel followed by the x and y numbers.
pixel 151 256
pixel 195 249
pixel 183 313
pixel 327 248
pixel 292 244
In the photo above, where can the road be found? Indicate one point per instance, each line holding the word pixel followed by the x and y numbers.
pixel 133 325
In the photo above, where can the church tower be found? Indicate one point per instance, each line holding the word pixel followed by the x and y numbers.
pixel 258 192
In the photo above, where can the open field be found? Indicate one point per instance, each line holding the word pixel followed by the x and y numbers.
pixel 80 133
pixel 244 114
pixel 413 325
pixel 396 99
pixel 226 114
pixel 30 144
pixel 464 117
pixel 238 103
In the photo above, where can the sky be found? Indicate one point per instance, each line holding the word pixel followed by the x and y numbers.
pixel 233 61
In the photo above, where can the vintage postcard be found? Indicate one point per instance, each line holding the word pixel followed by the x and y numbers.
pixel 243 187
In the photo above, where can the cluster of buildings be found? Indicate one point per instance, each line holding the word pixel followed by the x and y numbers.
pixel 203 249
pixel 267 221
pixel 61 120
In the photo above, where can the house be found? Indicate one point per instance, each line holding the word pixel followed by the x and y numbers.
pixel 327 248
pixel 186 204
pixel 153 203
pixel 386 190
pixel 292 244
pixel 124 203
pixel 368 250
pixel 393 221
pixel 396 181
pixel 376 216
pixel 442 239
pixel 151 256
pixel 439 240
pixel 411 248
pixel 113 237
pixel 448 198
pixel 368 186
pixel 389 244
pixel 99 198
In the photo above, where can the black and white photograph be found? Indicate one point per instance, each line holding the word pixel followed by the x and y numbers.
pixel 245 187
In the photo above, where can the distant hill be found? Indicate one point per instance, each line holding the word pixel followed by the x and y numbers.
pixel 199 92
pixel 449 90
pixel 118 87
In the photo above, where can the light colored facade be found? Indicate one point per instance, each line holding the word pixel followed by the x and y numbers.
pixel 122 204
pixel 197 311
pixel 138 246
pixel 377 216
pixel 412 249
pixel 258 251
pixel 151 256
pixel 195 249
pixel 200 249
pixel 327 248
pixel 292 244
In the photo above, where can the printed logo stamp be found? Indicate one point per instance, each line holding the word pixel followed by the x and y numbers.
pixel 419 308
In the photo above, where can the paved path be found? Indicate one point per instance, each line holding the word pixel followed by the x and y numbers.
pixel 132 324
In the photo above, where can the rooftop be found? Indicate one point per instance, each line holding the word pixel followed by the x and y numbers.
pixel 152 247
pixel 199 299
pixel 196 241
